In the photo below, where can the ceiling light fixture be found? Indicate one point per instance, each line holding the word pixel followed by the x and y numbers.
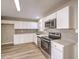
pixel 17 4
pixel 37 17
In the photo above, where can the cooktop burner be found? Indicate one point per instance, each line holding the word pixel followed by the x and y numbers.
pixel 53 36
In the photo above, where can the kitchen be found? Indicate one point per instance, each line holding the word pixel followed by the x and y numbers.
pixel 54 35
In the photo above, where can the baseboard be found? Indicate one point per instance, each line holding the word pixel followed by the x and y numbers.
pixel 7 43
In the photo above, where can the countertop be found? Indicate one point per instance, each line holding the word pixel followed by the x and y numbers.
pixel 42 35
pixel 63 42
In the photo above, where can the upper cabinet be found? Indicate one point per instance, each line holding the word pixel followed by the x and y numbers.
pixel 42 21
pixel 26 25
pixel 42 24
pixel 21 24
pixel 63 18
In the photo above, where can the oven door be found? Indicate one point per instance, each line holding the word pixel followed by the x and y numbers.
pixel 46 45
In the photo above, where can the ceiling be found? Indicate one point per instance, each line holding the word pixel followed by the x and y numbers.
pixel 29 8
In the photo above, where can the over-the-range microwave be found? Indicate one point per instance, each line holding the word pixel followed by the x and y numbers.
pixel 51 23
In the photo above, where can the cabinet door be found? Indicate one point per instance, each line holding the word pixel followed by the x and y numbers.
pixel 35 38
pixel 23 38
pixel 26 25
pixel 63 18
pixel 40 25
pixel 56 54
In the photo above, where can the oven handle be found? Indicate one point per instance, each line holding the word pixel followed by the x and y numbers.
pixel 45 40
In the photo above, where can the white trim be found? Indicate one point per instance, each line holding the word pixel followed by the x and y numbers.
pixel 7 43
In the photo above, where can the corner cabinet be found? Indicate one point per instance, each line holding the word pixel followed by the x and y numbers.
pixel 63 18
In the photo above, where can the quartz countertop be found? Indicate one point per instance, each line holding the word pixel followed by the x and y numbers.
pixel 63 42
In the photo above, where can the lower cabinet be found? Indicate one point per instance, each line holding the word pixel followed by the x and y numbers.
pixel 23 38
pixel 56 53
pixel 62 51
pixel 35 38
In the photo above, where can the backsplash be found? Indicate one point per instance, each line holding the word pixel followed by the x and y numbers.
pixel 23 31
pixel 66 34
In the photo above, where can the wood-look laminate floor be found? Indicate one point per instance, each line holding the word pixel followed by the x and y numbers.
pixel 22 51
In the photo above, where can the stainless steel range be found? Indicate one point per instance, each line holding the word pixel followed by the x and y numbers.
pixel 44 43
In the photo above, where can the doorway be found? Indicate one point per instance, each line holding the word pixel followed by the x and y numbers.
pixel 7 33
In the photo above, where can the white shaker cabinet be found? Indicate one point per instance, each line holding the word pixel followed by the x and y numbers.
pixel 56 52
pixel 43 20
pixel 63 18
pixel 26 25
pixel 35 38
pixel 42 24
pixel 61 49
pixel 23 38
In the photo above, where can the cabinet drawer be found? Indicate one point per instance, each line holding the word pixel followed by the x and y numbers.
pixel 57 46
